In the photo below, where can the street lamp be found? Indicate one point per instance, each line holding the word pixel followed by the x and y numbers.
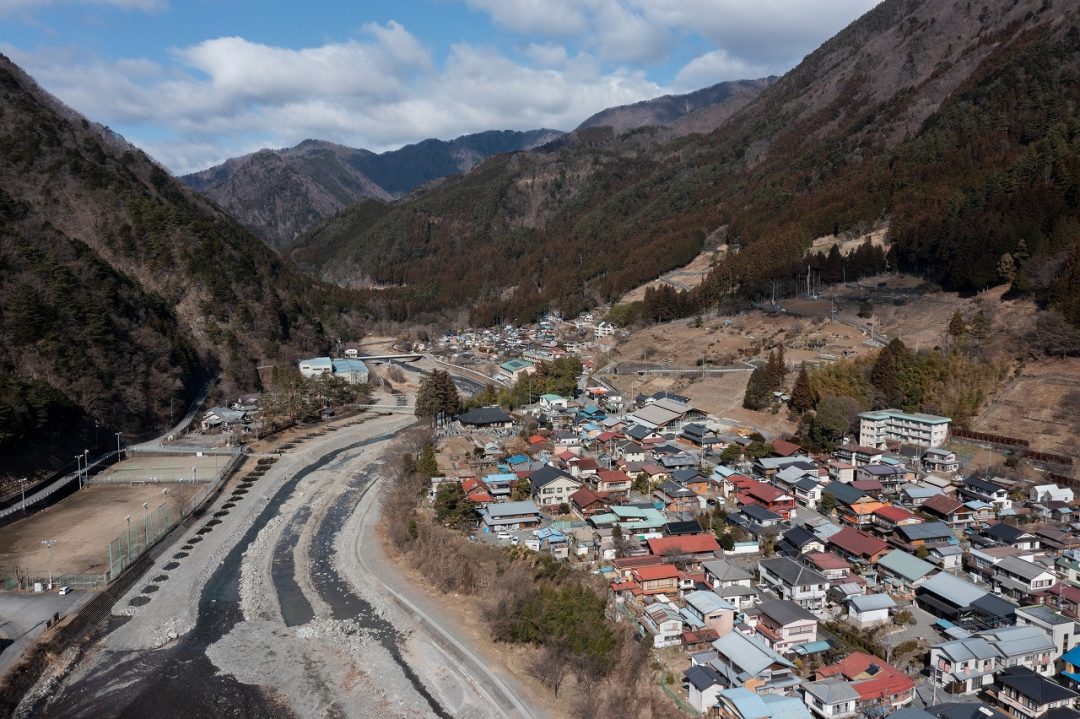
pixel 127 519
pixel 22 486
pixel 146 523
pixel 194 475
pixel 49 543
pixel 118 446
pixel 86 465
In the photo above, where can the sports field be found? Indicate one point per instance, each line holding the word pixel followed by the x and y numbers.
pixel 82 524
pixel 154 468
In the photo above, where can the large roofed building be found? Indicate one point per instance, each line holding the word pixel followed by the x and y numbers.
pixel 880 427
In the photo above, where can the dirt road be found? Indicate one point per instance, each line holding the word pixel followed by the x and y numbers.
pixel 269 608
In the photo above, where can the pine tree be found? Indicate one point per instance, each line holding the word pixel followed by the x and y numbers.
pixel 883 376
pixel 757 390
pixel 773 371
pixel 802 394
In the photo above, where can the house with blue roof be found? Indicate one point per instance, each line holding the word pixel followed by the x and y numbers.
pixel 740 703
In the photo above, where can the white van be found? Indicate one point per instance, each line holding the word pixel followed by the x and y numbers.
pixel 64 590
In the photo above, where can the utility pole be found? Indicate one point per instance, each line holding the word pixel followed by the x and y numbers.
pixel 49 543
pixel 22 486
pixel 86 467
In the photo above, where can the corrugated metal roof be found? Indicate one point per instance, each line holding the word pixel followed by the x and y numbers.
pixel 954 590
pixel 707 602
pixel 907 566
pixel 871 602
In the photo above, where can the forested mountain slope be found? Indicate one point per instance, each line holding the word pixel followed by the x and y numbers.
pixel 121 290
pixel 956 120
pixel 279 194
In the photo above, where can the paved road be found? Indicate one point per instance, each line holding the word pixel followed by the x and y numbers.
pixel 23 617
pixel 155 445
pixel 483 670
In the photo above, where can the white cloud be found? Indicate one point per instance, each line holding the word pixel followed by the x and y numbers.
pixel 226 96
pixel 713 67
pixel 765 32
pixel 381 89
pixel 550 18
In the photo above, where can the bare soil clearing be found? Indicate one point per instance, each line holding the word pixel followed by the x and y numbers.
pixel 82 525
pixel 1042 405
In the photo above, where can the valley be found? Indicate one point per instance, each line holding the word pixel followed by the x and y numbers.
pixel 754 400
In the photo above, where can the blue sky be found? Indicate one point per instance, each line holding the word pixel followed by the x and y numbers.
pixel 199 81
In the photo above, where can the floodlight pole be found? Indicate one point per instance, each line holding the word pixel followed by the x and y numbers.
pixel 22 486
pixel 49 543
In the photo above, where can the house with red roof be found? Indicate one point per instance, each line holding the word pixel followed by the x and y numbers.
pixel 768 496
pixel 477 491
pixel 889 517
pixel 585 502
pixel 834 567
pixel 696 547
pixel 783 448
pixel 880 686
pixel 625 566
pixel 656 579
pixel 856 544
pixel 951 510
pixel 612 481
pixel 1065 597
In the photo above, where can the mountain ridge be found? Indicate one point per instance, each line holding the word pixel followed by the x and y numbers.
pixel 278 194
pixel 592 214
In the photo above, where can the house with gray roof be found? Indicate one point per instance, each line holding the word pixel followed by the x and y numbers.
pixel 703 684
pixel 1025 694
pixel 903 571
pixel 969 663
pixel 785 625
pixel 552 486
pixel 742 661
pixel 832 698
pixel 510 515
pixel 707 609
pixel 870 610
pixel 794 582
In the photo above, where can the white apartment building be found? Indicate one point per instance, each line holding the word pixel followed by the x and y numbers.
pixel 911 428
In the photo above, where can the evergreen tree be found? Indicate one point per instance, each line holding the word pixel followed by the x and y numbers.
pixel 452 505
pixel 427 398
pixel 980 326
pixel 426 464
pixel 957 326
pixel 757 394
pixel 802 395
pixel 884 375
pixel 774 371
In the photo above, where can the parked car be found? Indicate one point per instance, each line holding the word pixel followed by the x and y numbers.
pixel 64 590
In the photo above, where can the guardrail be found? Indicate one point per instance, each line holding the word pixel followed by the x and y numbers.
pixel 58 485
